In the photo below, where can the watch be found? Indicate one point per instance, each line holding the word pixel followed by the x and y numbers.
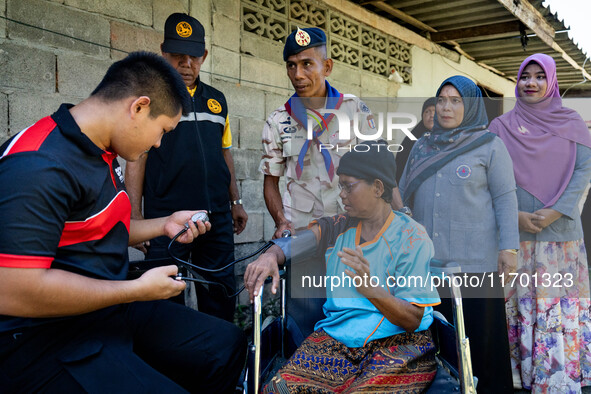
pixel 236 202
pixel 406 211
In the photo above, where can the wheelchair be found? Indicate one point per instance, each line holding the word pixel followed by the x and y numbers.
pixel 273 344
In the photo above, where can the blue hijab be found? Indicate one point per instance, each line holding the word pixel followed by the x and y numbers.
pixel 433 150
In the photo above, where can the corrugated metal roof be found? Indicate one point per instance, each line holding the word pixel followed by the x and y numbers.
pixel 503 51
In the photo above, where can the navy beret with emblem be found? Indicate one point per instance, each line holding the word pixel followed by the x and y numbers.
pixel 301 39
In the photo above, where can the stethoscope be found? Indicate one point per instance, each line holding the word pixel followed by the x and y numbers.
pixel 190 267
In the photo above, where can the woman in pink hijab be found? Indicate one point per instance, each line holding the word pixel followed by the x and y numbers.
pixel 548 308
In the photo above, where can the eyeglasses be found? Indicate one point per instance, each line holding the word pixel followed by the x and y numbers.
pixel 347 187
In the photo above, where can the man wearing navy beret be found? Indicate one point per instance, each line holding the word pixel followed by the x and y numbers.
pixel 309 164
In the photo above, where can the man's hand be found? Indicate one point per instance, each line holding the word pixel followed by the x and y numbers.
pixel 40 292
pixel 239 217
pixel 159 284
pixel 546 217
pixel 507 264
pixel 258 271
pixel 275 205
pixel 282 227
pixel 527 224
pixel 178 221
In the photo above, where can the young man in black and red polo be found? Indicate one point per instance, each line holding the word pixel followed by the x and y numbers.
pixel 69 319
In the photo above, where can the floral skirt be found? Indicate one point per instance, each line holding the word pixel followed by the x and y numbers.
pixel 403 363
pixel 548 315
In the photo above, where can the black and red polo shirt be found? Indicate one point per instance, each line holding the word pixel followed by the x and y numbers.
pixel 63 204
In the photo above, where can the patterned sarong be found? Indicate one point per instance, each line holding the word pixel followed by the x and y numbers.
pixel 550 324
pixel 403 363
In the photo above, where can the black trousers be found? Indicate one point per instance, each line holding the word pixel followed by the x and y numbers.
pixel 214 249
pixel 147 347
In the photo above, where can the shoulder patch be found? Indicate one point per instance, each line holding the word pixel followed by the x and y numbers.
pixel 363 107
pixel 370 122
pixel 214 106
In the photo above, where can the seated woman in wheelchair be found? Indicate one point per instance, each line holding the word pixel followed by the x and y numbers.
pixel 375 334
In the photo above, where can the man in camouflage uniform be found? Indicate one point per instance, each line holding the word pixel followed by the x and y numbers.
pixel 308 165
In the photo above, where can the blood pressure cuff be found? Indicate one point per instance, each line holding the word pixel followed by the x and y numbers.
pixel 297 247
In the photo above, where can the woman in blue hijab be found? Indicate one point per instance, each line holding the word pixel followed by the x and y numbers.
pixel 459 182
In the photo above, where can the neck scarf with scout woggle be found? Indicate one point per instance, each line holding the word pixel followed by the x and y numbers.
pixel 297 110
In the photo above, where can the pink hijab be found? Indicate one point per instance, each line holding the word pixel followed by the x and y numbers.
pixel 542 137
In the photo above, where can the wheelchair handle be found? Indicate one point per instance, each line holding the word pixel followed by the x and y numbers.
pixel 257 322
pixel 439 267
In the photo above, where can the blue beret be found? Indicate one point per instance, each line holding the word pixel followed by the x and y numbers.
pixel 302 39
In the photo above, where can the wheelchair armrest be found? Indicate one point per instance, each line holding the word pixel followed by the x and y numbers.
pixel 438 267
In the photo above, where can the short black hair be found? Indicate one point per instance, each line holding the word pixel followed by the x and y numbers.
pixel 321 49
pixel 146 74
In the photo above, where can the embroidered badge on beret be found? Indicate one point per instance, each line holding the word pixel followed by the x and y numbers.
pixel 214 106
pixel 183 29
pixel 463 171
pixel 302 38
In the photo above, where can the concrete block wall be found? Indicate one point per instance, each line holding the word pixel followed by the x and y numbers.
pixel 57 51
pixel 41 66
pixel 2 21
